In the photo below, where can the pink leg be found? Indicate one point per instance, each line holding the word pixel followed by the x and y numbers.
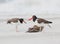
pixel 17 29
pixel 42 28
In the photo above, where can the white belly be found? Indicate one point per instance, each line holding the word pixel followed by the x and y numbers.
pixel 41 24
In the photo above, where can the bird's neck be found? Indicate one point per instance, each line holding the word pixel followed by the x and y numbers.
pixel 34 20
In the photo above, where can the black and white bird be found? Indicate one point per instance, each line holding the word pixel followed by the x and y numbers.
pixel 40 20
pixel 15 20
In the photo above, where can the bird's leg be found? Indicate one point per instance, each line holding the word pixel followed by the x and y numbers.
pixel 49 25
pixel 41 28
pixel 17 28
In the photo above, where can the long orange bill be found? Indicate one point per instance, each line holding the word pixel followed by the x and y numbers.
pixel 30 19
pixel 24 21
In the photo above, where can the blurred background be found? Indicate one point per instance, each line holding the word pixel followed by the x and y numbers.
pixel 15 7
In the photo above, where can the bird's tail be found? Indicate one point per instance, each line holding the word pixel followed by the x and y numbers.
pixel 48 22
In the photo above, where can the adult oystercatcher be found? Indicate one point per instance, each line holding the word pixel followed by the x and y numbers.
pixel 41 22
pixel 15 20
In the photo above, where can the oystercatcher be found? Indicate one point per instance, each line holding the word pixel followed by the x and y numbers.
pixel 40 20
pixel 15 20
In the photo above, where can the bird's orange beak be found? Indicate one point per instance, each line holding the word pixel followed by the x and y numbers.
pixel 24 21
pixel 30 18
